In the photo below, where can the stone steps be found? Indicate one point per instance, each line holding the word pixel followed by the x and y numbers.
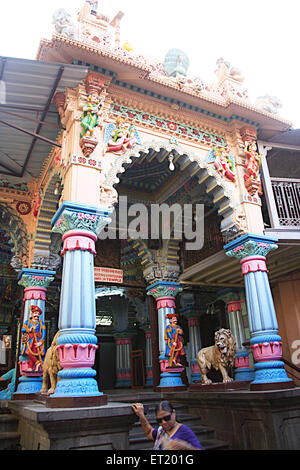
pixel 205 434
pixel 9 436
pixel 9 441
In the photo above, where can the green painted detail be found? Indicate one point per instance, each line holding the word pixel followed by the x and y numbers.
pixel 251 248
pixel 164 291
pixel 4 183
pixel 29 280
pixel 170 126
pixel 80 221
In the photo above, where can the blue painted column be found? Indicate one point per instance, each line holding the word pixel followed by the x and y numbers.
pixel 79 225
pixel 193 315
pixel 35 283
pixel 242 371
pixel 164 294
pixel 265 341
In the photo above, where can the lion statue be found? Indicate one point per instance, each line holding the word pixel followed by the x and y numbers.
pixel 220 356
pixel 51 368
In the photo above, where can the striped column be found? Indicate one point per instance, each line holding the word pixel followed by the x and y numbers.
pixel 149 375
pixel 164 294
pixel 123 361
pixel 77 343
pixel 265 341
pixel 35 283
pixel 193 314
pixel 242 372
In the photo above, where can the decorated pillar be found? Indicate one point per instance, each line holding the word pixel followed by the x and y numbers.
pixel 164 294
pixel 35 283
pixel 77 343
pixel 193 315
pixel 123 359
pixel 149 375
pixel 265 341
pixel 242 365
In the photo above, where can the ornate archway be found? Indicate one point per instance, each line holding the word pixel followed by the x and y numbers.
pixel 12 224
pixel 47 243
pixel 219 191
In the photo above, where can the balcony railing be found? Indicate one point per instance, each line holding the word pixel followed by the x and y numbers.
pixel 287 200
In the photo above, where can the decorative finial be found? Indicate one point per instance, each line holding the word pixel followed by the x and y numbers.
pixel 176 63
pixel 94 6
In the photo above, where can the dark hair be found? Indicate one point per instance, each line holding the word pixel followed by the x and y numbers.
pixel 165 406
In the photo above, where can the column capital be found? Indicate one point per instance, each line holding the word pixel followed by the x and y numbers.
pixel 191 311
pixel 72 216
pixel 124 337
pixel 234 306
pixel 35 278
pixel 164 290
pixel 250 245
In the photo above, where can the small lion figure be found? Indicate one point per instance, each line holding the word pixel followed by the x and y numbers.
pixel 220 356
pixel 51 368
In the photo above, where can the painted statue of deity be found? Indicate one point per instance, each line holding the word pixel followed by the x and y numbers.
pixel 252 164
pixel 120 136
pixel 90 115
pixel 33 340
pixel 224 163
pixel 174 342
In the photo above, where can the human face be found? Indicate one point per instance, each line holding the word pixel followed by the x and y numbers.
pixel 35 316
pixel 94 98
pixel 171 417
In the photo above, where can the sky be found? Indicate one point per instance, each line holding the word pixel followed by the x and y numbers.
pixel 259 37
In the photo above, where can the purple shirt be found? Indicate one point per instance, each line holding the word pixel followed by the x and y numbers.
pixel 184 433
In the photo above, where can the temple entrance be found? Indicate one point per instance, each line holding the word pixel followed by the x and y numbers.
pixel 165 175
pixel 120 335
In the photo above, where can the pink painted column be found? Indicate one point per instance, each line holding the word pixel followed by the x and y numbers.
pixel 123 360
pixel 251 250
pixel 164 294
pixel 195 345
pixel 35 283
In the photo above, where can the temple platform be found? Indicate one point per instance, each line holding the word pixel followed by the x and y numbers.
pixel 247 420
pixel 243 419
pixel 86 428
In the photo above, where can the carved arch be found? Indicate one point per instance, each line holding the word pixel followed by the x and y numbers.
pixel 217 188
pixel 13 225
pixel 47 244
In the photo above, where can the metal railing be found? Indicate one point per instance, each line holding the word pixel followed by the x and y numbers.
pixel 287 199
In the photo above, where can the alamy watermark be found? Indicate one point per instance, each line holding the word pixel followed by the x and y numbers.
pixel 296 354
pixel 157 221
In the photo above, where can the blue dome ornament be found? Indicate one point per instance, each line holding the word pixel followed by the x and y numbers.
pixel 176 63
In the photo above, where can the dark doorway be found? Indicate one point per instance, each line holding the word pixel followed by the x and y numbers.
pixel 105 363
